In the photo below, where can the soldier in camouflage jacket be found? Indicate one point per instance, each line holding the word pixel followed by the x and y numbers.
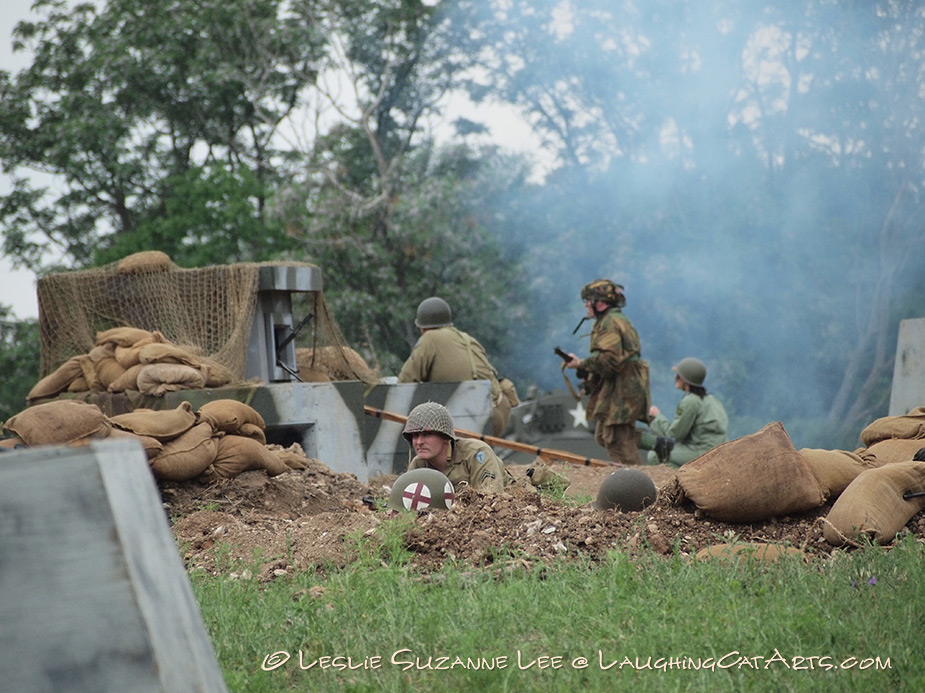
pixel 616 379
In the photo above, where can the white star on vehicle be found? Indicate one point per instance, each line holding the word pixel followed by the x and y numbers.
pixel 579 414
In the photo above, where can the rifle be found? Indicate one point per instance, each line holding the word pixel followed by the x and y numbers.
pixel 544 453
pixel 582 373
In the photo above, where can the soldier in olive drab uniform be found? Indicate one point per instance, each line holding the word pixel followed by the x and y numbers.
pixel 446 354
pixel 615 377
pixel 699 425
pixel 430 431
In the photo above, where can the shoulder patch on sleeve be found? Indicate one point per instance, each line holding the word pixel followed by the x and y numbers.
pixel 480 457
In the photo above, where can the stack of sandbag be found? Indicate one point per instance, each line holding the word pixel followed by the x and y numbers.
pixel 887 440
pixel 749 479
pixel 877 504
pixel 129 358
pixel 220 441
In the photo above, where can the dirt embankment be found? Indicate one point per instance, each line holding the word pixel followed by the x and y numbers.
pixel 301 519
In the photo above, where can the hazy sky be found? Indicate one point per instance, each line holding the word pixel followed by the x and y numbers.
pixel 17 288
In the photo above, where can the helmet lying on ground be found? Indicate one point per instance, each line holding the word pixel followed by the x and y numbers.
pixel 422 489
pixel 627 490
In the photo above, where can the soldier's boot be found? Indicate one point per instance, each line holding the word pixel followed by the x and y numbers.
pixel 663 447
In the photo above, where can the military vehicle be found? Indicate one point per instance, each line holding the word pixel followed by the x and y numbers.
pixel 553 420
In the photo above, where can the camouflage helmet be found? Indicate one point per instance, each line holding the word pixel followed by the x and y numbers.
pixel 433 312
pixel 421 489
pixel 626 490
pixel 692 371
pixel 604 290
pixel 429 416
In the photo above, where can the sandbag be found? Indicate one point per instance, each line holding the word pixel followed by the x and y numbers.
pixel 338 363
pixel 307 375
pixel 144 261
pixel 893 450
pixel 216 374
pixel 152 446
pixel 186 456
pixel 89 373
pixel 102 351
pixel 158 378
pixel 108 371
pixel 105 431
pixel 124 336
pixel 543 476
pixel 752 478
pixel 873 505
pixel 57 381
pixel 911 425
pixel 168 353
pixel 291 459
pixel 128 380
pixel 162 425
pixel 230 414
pixel 249 430
pixel 835 469
pixel 79 384
pixel 129 356
pixel 237 454
pixel 59 423
pixel 756 551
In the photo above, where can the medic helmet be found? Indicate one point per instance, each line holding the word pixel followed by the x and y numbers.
pixel 422 489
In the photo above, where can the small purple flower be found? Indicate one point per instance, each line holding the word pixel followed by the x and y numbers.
pixel 872 581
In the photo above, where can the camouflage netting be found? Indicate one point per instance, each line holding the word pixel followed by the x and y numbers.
pixel 210 309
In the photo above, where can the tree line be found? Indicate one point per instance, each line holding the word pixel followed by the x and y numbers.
pixel 750 172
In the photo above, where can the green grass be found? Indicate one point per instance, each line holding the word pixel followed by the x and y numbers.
pixel 642 625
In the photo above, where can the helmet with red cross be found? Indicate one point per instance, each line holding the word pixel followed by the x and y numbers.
pixel 422 489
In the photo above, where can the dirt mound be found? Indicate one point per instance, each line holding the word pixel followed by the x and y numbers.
pixel 309 518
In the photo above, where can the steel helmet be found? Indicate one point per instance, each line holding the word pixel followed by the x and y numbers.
pixel 691 370
pixel 626 490
pixel 604 290
pixel 422 489
pixel 433 312
pixel 429 416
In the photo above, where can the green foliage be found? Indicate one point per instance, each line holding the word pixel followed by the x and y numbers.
pixel 206 217
pixel 429 238
pixel 19 362
pixel 149 117
pixel 655 624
